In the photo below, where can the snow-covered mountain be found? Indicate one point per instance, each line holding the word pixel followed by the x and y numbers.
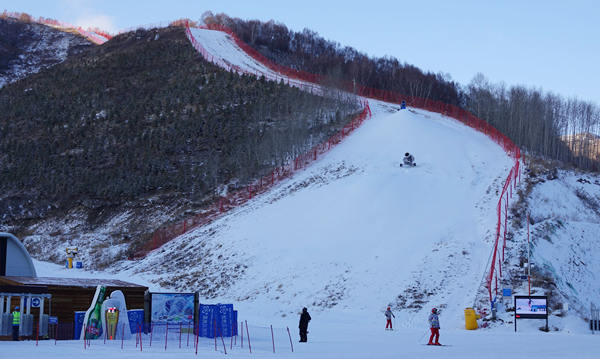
pixel 26 48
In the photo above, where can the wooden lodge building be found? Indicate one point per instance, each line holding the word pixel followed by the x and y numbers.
pixel 60 297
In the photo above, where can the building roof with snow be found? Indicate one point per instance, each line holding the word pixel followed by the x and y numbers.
pixel 14 258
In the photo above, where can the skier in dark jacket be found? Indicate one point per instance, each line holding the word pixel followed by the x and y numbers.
pixel 408 160
pixel 434 324
pixel 303 325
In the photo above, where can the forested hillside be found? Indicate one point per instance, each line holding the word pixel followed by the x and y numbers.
pixel 142 115
pixel 541 123
pixel 27 47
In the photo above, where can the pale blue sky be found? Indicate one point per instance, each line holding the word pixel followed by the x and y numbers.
pixel 554 45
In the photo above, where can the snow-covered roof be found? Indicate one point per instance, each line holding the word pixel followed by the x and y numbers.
pixel 66 282
pixel 14 258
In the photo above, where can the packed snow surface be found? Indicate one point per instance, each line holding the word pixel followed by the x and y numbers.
pixel 329 341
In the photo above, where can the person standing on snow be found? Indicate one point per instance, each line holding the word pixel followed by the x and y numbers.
pixel 16 322
pixel 303 325
pixel 388 316
pixel 434 324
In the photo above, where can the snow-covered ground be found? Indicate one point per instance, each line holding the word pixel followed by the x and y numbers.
pixel 331 339
pixel 346 237
pixel 564 208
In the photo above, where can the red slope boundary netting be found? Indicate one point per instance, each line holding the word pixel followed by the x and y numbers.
pixel 241 196
pixel 499 247
pixel 302 84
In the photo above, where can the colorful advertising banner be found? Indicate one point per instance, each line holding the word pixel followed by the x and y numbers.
pixel 92 323
pixel 531 307
pixel 172 308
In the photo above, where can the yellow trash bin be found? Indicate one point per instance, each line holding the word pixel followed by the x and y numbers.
pixel 470 319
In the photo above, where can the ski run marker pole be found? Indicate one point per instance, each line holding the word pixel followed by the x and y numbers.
pixel 290 336
pixel 248 333
pixel 273 339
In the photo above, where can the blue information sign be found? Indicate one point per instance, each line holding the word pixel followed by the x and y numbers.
pixel 136 319
pixel 217 320
pixel 35 302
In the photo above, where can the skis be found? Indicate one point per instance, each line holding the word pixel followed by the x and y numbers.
pixel 434 345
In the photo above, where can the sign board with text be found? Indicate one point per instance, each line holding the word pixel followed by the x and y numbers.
pixel 531 307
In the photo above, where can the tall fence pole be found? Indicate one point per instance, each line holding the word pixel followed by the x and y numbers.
pixel 222 340
pixel 166 334
pixel 188 335
pixel 273 338
pixel 248 334
pixel 290 336
pixel 197 337
pixel 528 258
pixel 140 335
pixel 233 326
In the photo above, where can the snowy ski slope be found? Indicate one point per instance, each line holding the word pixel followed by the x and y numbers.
pixel 227 54
pixel 349 235
pixel 354 232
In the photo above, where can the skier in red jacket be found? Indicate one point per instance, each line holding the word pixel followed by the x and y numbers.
pixel 434 324
pixel 388 316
